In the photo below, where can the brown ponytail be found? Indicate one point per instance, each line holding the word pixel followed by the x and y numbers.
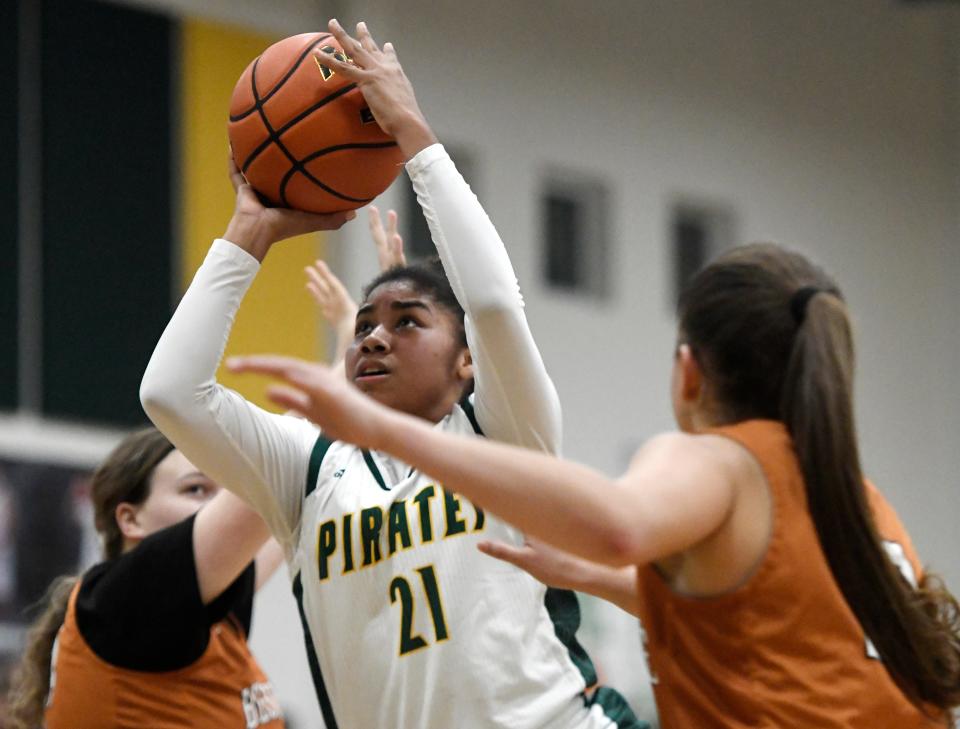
pixel 914 631
pixel 124 477
pixel 30 682
pixel 772 334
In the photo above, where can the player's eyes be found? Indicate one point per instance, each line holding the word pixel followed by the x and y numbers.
pixel 363 327
pixel 407 321
pixel 196 489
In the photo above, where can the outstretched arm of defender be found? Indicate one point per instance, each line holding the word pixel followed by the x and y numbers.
pixel 678 491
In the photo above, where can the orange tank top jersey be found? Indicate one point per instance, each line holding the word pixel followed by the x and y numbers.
pixel 784 649
pixel 223 689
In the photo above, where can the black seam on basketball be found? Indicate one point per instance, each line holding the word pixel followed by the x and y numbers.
pixel 293 170
pixel 296 165
pixel 351 145
pixel 281 82
pixel 327 150
pixel 272 136
pixel 303 114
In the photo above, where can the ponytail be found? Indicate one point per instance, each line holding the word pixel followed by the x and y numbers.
pixel 771 332
pixel 915 631
pixel 30 682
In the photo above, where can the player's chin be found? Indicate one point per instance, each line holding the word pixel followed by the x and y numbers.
pixel 383 391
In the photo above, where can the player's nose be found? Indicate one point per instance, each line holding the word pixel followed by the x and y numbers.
pixel 377 340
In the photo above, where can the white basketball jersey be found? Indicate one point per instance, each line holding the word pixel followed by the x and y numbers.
pixel 412 625
pixel 409 625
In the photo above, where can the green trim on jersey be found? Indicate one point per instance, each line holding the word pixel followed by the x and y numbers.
pixel 320 449
pixel 467 407
pixel 564 612
pixel 471 415
pixel 615 708
pixel 372 465
pixel 326 708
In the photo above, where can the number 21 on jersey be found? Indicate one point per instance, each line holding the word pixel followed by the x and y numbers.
pixel 401 590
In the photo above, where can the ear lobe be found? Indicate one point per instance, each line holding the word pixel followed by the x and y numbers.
pixel 691 376
pixel 126 515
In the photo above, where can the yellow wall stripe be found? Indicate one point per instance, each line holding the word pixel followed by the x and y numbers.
pixel 277 314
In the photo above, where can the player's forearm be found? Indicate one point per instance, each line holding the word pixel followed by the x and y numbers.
pixel 179 391
pixel 179 381
pixel 516 401
pixel 414 134
pixel 469 246
pixel 242 447
pixel 560 502
pixel 268 560
pixel 250 234
pixel 613 584
pixel 227 536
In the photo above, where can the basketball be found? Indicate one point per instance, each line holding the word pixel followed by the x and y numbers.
pixel 303 136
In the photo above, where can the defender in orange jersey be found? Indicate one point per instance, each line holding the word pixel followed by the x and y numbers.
pixel 156 634
pixel 777 589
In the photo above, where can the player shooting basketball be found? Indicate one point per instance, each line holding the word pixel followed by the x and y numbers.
pixel 408 624
pixel 776 586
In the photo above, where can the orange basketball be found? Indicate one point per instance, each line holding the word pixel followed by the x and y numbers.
pixel 303 135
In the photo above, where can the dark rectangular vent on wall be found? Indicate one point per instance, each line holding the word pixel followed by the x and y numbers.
pixel 574 219
pixel 698 233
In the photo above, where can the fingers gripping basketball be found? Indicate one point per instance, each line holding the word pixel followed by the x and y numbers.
pixel 302 134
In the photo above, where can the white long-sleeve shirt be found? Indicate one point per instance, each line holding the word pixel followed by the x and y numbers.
pixel 409 625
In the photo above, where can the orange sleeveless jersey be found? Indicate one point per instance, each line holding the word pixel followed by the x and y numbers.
pixel 223 689
pixel 784 649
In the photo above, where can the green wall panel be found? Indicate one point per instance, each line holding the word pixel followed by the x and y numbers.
pixel 8 207
pixel 106 204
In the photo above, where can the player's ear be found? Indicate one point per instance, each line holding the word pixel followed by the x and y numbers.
pixel 465 365
pixel 691 376
pixel 127 516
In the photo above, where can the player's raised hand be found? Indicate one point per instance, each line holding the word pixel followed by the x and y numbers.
pixel 331 295
pixel 388 241
pixel 336 304
pixel 386 88
pixel 255 227
pixel 320 394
